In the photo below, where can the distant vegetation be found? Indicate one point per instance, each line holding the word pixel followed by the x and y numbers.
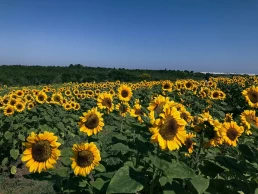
pixel 19 75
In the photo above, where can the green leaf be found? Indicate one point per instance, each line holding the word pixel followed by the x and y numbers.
pixel 66 152
pixel 120 147
pixel 21 137
pixel 4 161
pixel 100 168
pixel 13 170
pixel 61 126
pixel 8 135
pixel 256 191
pixel 83 183
pixel 221 113
pixel 125 180
pixel 98 183
pixel 14 153
pixel 62 171
pixel 172 169
pixel 66 161
pixel 163 180
pixel 200 183
pixel 120 136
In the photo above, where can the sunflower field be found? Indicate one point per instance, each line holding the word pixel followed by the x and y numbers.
pixel 152 137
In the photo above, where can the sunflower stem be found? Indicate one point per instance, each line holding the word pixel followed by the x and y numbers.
pixel 199 150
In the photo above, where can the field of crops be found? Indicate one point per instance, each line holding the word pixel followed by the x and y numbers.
pixel 148 137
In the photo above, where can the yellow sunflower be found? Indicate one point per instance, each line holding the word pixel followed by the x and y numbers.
pixel 57 98
pixel 167 86
pixel 157 104
pixel 19 106
pixel 189 143
pixel 169 130
pixel 8 110
pixel 91 122
pixel 123 108
pixel 228 117
pixel 137 112
pixel 124 93
pixel 41 97
pixel 41 151
pixel 247 118
pixel 230 132
pixel 251 96
pixel 86 157
pixel 105 101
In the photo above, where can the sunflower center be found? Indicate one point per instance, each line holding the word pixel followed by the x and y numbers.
pixel 123 108
pixel 169 129
pixel 92 122
pixel 159 108
pixel 166 86
pixel 9 110
pixel 41 151
pixel 85 158
pixel 232 134
pixel 215 95
pixel 57 98
pixel 188 143
pixel 253 96
pixel 124 93
pixel 138 112
pixel 19 106
pixel 188 85
pixel 107 102
pixel 13 102
pixel 41 98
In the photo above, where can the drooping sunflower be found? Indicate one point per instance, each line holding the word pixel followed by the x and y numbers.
pixel 41 151
pixel 230 132
pixel 169 130
pixel 8 110
pixel 91 122
pixel 251 96
pixel 124 93
pixel 86 158
pixel 105 101
pixel 189 143
pixel 137 112
pixel 123 108
pixel 228 117
pixel 247 118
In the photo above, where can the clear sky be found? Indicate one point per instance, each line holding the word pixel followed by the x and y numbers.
pixel 198 35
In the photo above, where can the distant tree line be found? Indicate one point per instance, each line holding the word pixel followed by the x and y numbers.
pixel 20 75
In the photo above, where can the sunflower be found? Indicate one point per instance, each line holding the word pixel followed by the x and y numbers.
pixel 123 108
pixel 20 93
pixel 91 122
pixel 19 106
pixel 186 116
pixel 230 132
pixel 57 98
pixel 86 157
pixel 167 86
pixel 157 104
pixel 189 143
pixel 41 151
pixel 41 97
pixel 169 130
pixel 30 105
pixel 248 118
pixel 105 101
pixel 124 93
pixel 251 96
pixel 67 106
pixel 215 95
pixel 137 112
pixel 228 117
pixel 77 106
pixel 8 110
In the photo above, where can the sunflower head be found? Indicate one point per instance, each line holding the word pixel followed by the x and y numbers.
pixel 41 151
pixel 124 93
pixel 86 158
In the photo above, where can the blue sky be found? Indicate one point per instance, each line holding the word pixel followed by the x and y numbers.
pixel 198 35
